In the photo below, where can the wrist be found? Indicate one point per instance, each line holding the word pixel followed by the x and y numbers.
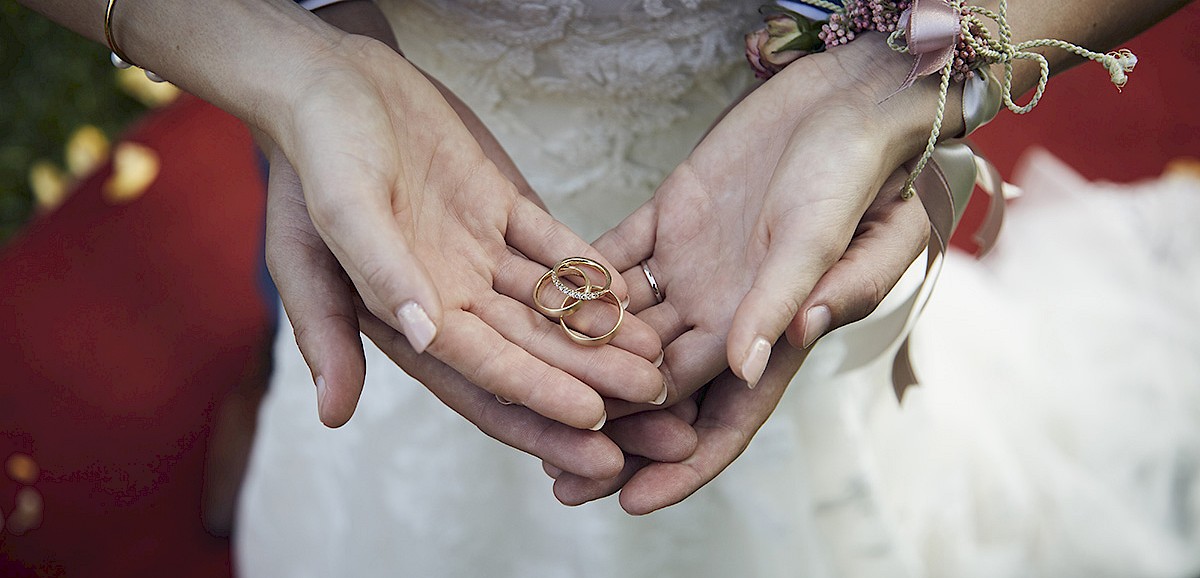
pixel 873 74
pixel 361 17
pixel 243 56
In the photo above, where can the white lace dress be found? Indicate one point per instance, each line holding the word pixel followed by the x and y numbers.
pixel 1057 432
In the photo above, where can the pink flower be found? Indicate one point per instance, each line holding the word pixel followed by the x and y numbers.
pixel 784 39
pixel 753 41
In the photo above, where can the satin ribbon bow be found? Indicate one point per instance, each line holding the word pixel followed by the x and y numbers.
pixel 931 29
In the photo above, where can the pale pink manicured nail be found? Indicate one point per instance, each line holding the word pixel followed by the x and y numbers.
pixel 661 356
pixel 755 364
pixel 600 423
pixel 551 470
pixel 417 327
pixel 662 397
pixel 816 323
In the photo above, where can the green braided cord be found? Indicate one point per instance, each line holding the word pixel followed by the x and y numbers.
pixel 893 41
pixel 934 133
pixel 1003 51
pixel 822 4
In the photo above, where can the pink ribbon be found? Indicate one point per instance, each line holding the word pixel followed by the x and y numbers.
pixel 945 187
pixel 931 31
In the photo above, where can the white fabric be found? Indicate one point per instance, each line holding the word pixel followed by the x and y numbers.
pixel 1056 433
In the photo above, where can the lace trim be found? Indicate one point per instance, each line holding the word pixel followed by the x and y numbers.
pixel 592 98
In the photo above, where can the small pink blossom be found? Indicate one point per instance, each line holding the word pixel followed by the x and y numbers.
pixel 767 48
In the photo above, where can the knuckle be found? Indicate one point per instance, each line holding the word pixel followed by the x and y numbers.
pixel 538 393
pixel 791 305
pixel 314 329
pixel 377 279
pixel 326 213
pixel 867 292
pixel 278 253
pixel 540 443
pixel 478 371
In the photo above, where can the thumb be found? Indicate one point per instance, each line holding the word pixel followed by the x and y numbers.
pixel 893 233
pixel 358 224
pixel 318 301
pixel 803 246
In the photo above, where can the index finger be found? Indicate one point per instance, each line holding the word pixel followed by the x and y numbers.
pixel 544 239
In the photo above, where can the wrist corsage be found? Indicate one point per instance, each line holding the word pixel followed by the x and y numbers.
pixel 944 36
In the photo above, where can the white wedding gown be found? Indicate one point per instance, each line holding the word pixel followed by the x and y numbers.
pixel 1056 432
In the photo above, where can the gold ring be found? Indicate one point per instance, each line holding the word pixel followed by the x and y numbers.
pixel 589 292
pixel 565 310
pixel 584 339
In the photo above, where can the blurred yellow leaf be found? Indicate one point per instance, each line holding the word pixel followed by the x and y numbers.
pixel 1184 168
pixel 22 469
pixel 49 183
pixel 27 513
pixel 87 149
pixel 135 166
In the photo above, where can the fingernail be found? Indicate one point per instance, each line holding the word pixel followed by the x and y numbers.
pixel 625 302
pixel 417 327
pixel 321 389
pixel 661 356
pixel 816 323
pixel 600 423
pixel 662 397
pixel 756 361
pixel 551 470
pixel 503 401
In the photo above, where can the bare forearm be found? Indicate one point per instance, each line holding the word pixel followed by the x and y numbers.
pixel 238 54
pixel 1098 25
pixel 871 67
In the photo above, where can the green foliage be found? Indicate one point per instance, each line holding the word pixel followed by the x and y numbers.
pixel 51 82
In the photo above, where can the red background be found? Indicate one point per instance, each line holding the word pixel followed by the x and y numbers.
pixel 122 328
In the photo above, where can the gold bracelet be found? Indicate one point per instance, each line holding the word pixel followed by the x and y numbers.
pixel 118 56
pixel 108 35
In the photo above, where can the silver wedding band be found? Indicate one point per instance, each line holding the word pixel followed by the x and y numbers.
pixel 658 296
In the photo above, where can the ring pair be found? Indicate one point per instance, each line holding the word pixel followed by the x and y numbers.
pixel 575 297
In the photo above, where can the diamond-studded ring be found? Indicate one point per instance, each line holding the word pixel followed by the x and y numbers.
pixel 589 292
pixel 567 271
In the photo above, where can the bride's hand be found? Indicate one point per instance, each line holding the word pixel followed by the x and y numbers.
pixel 739 234
pixel 728 413
pixel 772 224
pixel 436 242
